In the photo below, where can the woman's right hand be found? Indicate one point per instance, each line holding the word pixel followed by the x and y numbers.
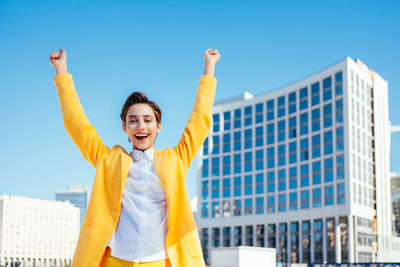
pixel 59 61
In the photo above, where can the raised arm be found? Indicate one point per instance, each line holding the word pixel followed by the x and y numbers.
pixel 76 123
pixel 198 125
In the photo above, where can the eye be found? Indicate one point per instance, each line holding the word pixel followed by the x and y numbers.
pixel 148 120
pixel 133 121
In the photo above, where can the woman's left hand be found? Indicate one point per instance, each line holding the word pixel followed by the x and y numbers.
pixel 211 58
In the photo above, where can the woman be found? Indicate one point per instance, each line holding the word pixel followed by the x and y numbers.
pixel 139 212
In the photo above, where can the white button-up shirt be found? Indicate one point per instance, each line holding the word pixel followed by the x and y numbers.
pixel 142 227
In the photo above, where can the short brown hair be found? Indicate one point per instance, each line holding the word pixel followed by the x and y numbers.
pixel 139 98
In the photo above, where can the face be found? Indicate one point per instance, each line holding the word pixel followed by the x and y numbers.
pixel 141 126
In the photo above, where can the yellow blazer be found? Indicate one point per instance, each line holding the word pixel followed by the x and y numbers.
pixel 112 165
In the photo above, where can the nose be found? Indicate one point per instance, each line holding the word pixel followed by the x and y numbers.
pixel 140 125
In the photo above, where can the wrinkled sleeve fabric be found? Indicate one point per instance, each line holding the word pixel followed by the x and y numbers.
pixel 198 126
pixel 76 123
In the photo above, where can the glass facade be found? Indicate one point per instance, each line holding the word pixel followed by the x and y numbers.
pixel 281 155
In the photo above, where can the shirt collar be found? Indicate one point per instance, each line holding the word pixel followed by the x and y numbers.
pixel 147 154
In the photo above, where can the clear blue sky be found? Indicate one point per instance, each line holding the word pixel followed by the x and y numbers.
pixel 116 47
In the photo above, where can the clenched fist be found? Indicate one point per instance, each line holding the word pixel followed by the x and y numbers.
pixel 59 61
pixel 211 58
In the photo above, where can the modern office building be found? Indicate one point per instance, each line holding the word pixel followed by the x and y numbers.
pixel 395 182
pixel 78 196
pixel 37 232
pixel 303 169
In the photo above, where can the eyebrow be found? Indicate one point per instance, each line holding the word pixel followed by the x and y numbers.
pixel 136 116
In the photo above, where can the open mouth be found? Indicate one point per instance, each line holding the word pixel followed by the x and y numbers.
pixel 141 137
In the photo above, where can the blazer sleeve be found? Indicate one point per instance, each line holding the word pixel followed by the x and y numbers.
pixel 76 123
pixel 198 126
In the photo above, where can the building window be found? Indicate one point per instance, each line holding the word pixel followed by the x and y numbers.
pixel 339 111
pixel 327 115
pixel 327 85
pixel 260 235
pixel 248 185
pixel 259 183
pixel 282 250
pixel 318 251
pixel 271 204
pixel 204 190
pixel 248 134
pixel 317 201
pixel 226 169
pixel 237 187
pixel 282 180
pixel 328 143
pixel 304 123
pixel 315 94
pixel 340 193
pixel 227 143
pixel 270 182
pixel 270 157
pixel 204 234
pixel 248 206
pixel 340 167
pixel 305 199
pixel 293 152
pixel 226 231
pixel 292 127
pixel 215 167
pixel 294 242
pixel 249 235
pixel 237 163
pixel 216 123
pixel 270 110
pixel 215 189
pixel 281 131
pixel 315 120
pixel 227 121
pixel 330 239
pixel 237 207
pixel 259 113
pixel 215 209
pixel 306 240
pixel 248 161
pixel 281 155
pixel 226 208
pixel 339 83
pixel 281 106
pixel 316 172
pixel 248 112
pixel 292 102
pixel 328 170
pixel 270 133
pixel 215 149
pixel 271 235
pixel 204 169
pixel 237 236
pixel 293 178
pixel 282 202
pixel 237 118
pixel 226 183
pixel 329 195
pixel 316 146
pixel 237 136
pixel 260 159
pixel 204 210
pixel 304 172
pixel 259 136
pixel 205 147
pixel 304 149
pixel 303 98
pixel 215 237
pixel 293 201
pixel 339 139
pixel 343 238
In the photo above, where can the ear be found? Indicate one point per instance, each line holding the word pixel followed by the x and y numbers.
pixel 158 128
pixel 124 127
